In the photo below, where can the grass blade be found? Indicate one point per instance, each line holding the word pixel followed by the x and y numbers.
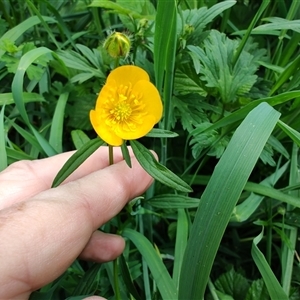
pixel 292 133
pixel 14 33
pixel 274 288
pixel 261 9
pixel 17 90
pixel 7 98
pixel 181 242
pixel 56 131
pixel 158 270
pixel 220 197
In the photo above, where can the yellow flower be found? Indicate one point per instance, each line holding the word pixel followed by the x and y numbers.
pixel 128 106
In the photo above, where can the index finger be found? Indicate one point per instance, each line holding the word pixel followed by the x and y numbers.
pixel 25 179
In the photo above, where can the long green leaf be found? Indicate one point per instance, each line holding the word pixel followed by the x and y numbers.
pixel 158 270
pixel 261 9
pixel 162 36
pixel 288 72
pixel 7 98
pixel 116 7
pixel 125 273
pixel 14 33
pixel 181 242
pixel 56 131
pixel 17 84
pixel 172 201
pixel 220 197
pixel 157 170
pixel 274 288
pixel 241 113
pixel 44 23
pixel 244 210
pixel 17 90
pixel 272 193
pixel 292 133
pixel 76 160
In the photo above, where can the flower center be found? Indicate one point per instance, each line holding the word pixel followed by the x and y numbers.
pixel 123 109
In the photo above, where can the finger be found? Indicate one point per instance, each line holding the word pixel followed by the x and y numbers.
pixel 61 221
pixel 25 179
pixel 103 247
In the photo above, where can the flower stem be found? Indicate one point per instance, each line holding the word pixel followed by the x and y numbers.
pixel 110 155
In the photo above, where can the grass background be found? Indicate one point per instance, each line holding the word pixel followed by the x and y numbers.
pixel 228 73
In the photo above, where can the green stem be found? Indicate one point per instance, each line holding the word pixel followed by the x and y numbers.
pixel 111 154
pixel 116 281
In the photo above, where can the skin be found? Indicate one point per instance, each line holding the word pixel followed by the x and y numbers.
pixel 43 230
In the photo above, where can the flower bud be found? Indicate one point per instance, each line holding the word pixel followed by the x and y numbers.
pixel 117 45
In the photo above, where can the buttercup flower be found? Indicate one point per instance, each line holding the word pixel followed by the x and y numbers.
pixel 128 106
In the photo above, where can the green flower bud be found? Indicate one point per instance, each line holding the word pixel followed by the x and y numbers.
pixel 117 45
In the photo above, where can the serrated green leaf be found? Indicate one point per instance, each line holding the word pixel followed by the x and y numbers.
pixel 190 111
pixel 257 291
pixel 76 160
pixel 77 61
pixel 217 69
pixel 197 19
pixel 157 170
pixel 233 284
pixel 183 84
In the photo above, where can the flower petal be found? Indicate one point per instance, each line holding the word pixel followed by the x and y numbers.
pixel 104 131
pixel 142 129
pixel 127 74
pixel 151 99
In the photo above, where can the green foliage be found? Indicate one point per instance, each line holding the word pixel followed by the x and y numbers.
pixel 225 70
pixel 217 69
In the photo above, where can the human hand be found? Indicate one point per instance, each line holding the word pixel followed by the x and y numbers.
pixel 43 230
